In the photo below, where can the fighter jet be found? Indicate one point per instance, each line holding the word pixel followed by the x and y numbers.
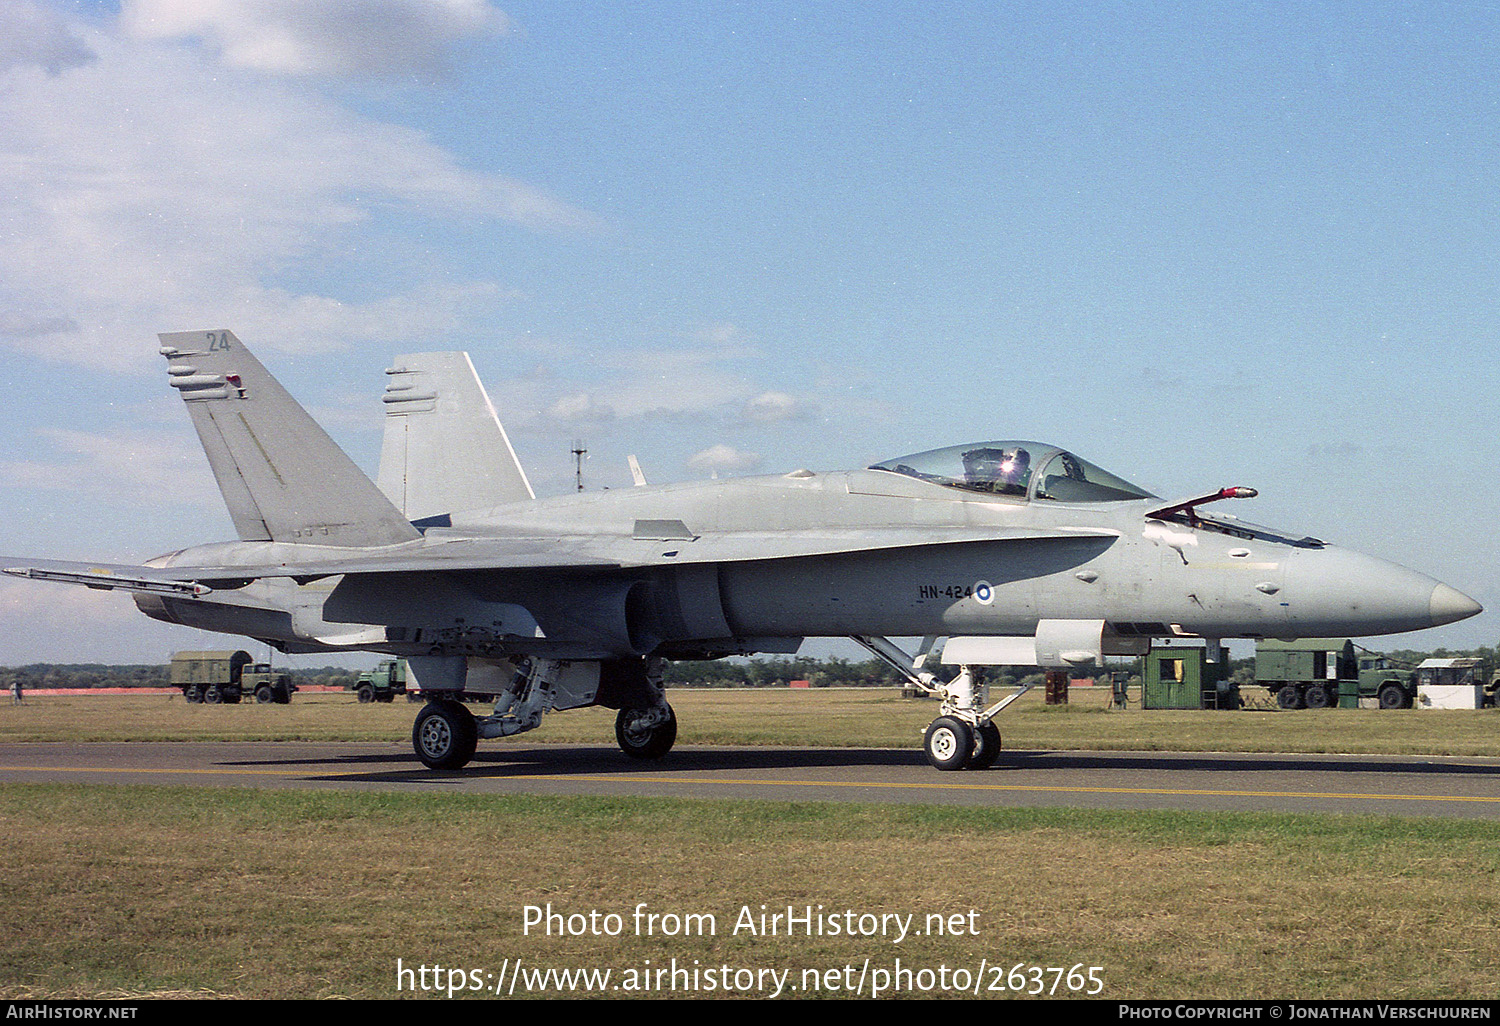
pixel 1016 552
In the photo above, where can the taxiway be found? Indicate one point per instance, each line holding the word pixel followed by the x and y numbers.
pixel 1384 785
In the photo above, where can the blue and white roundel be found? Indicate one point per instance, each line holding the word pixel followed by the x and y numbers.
pixel 983 593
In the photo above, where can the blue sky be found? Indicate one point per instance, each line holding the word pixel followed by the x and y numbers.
pixel 1200 244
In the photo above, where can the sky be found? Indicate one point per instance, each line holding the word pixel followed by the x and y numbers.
pixel 1198 244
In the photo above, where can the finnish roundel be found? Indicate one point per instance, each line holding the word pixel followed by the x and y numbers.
pixel 983 593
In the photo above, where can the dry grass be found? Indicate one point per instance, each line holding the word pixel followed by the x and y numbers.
pixel 836 717
pixel 244 893
pixel 142 892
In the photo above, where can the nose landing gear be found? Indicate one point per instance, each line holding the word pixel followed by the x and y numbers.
pixel 949 742
pixel 964 736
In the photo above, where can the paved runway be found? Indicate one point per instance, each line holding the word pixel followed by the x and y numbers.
pixel 1424 786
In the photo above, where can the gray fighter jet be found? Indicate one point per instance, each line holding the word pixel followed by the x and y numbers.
pixel 1017 552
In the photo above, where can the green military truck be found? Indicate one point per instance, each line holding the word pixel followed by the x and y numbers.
pixel 227 677
pixel 383 683
pixel 1321 673
pixel 1393 686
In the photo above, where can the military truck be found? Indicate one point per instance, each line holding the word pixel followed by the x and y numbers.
pixel 1319 673
pixel 1391 685
pixel 215 677
pixel 383 683
pixel 1306 674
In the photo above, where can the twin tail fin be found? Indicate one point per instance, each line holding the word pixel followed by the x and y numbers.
pixel 282 477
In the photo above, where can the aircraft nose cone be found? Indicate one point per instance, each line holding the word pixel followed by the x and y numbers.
pixel 1333 592
pixel 1449 605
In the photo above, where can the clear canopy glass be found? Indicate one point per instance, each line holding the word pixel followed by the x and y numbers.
pixel 1022 470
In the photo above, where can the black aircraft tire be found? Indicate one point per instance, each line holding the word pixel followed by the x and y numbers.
pixel 949 742
pixel 650 743
pixel 986 747
pixel 444 735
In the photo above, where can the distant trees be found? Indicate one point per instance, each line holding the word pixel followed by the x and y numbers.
pixel 98 675
pixel 769 673
pixel 85 675
pixel 834 672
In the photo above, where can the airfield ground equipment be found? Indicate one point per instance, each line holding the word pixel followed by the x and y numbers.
pixel 1323 673
pixel 383 683
pixel 227 677
pixel 1188 677
pixel 1456 684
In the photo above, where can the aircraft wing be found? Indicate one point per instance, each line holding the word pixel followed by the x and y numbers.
pixel 654 543
pixel 197 581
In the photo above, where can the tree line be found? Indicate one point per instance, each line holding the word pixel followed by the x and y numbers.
pixel 833 672
pixel 101 675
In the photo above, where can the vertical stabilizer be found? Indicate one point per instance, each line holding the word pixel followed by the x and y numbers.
pixel 444 448
pixel 282 477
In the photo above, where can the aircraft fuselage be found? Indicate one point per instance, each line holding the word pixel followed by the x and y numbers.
pixel 695 569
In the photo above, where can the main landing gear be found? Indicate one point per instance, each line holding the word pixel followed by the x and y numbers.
pixel 446 733
pixel 646 733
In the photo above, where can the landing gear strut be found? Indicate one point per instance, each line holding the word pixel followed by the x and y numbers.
pixel 446 734
pixel 977 745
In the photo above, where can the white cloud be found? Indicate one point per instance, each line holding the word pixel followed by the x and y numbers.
pixel 724 457
pixel 150 470
pixel 320 322
pixel 59 609
pixel 578 407
pixel 667 383
pixel 33 35
pixel 298 37
pixel 42 622
pixel 773 407
pixel 646 393
pixel 150 189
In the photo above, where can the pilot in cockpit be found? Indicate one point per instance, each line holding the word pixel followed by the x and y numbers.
pixel 997 470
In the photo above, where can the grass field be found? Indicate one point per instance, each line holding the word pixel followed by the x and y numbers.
pixel 839 717
pixel 141 891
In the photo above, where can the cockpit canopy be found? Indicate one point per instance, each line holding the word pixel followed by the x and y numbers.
pixel 1022 470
